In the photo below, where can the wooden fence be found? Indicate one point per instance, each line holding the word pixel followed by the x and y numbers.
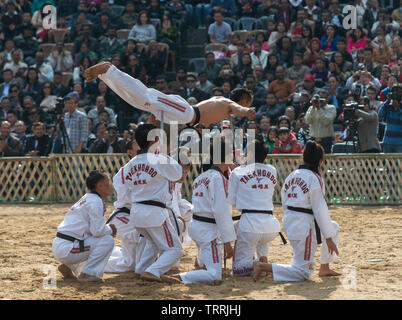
pixel 356 179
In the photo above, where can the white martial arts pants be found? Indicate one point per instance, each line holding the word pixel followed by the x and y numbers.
pixel 125 257
pixel 167 242
pixel 302 264
pixel 134 92
pixel 247 244
pixel 210 256
pixel 93 260
pixel 150 251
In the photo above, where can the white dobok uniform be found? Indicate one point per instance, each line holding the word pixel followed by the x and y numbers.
pixel 134 92
pixel 210 192
pixel 305 189
pixel 125 257
pixel 147 176
pixel 85 221
pixel 251 187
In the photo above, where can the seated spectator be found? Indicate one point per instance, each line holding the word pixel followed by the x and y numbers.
pixel 161 84
pixel 337 93
pixel 363 80
pixel 5 107
pixel 226 74
pixel 61 59
pixel 48 99
pixel 259 92
pixel 263 127
pixel 105 7
pixel 271 108
pixel 260 37
pixel 357 40
pixel 226 88
pixel 258 74
pixel 243 69
pixel 44 68
pixel 32 86
pixel 341 47
pixel 269 70
pixel 110 45
pixel 58 88
pixel 19 129
pixel 12 117
pixel 330 39
pixel 10 145
pixel 272 139
pixel 280 31
pixel 226 7
pixel 26 42
pixel 340 68
pixel 308 85
pixel 320 72
pixel 16 65
pixel 180 82
pixel 15 96
pixel 397 14
pixel 37 21
pixel 143 31
pixel 85 52
pixel 313 52
pixel 235 58
pixel 169 34
pixel 130 47
pixel 212 68
pixel 10 21
pixel 191 90
pixel 304 41
pixel 291 114
pixel 248 8
pixel 154 59
pixel 129 17
pixel 312 10
pixel 298 71
pixel 371 67
pixel 217 92
pixel 100 105
pixel 85 37
pixel 101 30
pixel 286 143
pixel 203 83
pixel 259 56
pixel 7 76
pixel 84 99
pixel 37 144
pixel 6 54
pixel 155 9
pixel 303 131
pixel 392 80
pixel 111 143
pixel 232 47
pixel 284 51
pixel 282 87
pixel 79 71
pixel 95 141
pixel 219 31
pixel 136 69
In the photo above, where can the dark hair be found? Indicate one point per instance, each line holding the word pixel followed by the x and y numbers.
pixel 225 149
pixel 129 144
pixel 93 178
pixel 260 148
pixel 112 126
pixel 139 17
pixel 313 153
pixel 369 49
pixel 342 39
pixel 38 124
pixel 141 135
pixel 240 93
pixel 284 118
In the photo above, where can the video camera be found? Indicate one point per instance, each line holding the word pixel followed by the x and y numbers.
pixel 349 111
pixel 59 109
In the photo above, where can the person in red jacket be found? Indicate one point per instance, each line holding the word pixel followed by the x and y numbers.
pixel 287 142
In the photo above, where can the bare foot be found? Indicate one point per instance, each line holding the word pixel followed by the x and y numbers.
pixel 99 68
pixel 88 278
pixel 264 259
pixel 197 266
pixel 257 270
pixel 328 273
pixel 66 272
pixel 175 278
pixel 149 277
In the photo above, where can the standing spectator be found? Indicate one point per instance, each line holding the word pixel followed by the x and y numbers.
pixel 76 124
pixel 219 31
pixel 143 31
pixel 298 71
pixel 27 43
pixel 212 68
pixel 282 87
pixel 191 90
pixel 129 17
pixel 37 144
pixel 367 129
pixel 10 145
pixel 259 56
pixel 60 59
pixel 391 112
pixel 10 21
pixel 110 45
pixel 320 116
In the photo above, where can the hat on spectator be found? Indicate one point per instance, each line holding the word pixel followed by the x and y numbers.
pixel 73 95
pixel 304 92
pixel 308 77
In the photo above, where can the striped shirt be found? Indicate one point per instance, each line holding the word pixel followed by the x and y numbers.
pixel 76 128
pixel 393 127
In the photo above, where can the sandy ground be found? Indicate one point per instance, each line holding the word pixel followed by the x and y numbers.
pixel 367 233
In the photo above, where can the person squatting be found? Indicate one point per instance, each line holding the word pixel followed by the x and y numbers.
pixel 153 221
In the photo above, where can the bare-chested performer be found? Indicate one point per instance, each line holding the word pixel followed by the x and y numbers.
pixel 175 108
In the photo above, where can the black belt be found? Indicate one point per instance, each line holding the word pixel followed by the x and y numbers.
pixel 266 212
pixel 175 220
pixel 153 203
pixel 197 115
pixel 119 210
pixel 309 211
pixel 211 220
pixel 72 239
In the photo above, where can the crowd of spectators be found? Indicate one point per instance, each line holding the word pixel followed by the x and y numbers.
pixel 296 57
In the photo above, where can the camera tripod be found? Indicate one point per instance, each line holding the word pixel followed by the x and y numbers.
pixel 353 135
pixel 64 136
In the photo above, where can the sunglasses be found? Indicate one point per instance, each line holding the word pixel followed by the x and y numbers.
pixel 13 91
pixel 190 81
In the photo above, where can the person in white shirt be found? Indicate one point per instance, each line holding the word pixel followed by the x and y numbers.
pixel 148 176
pixel 259 56
pixel 251 188
pixel 83 240
pixel 306 218
pixel 212 220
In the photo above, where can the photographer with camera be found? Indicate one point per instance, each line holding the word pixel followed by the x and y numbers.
pixel 320 116
pixel 367 128
pixel 391 111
